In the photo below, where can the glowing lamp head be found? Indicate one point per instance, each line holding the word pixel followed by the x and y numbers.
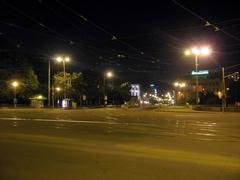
pixel 196 51
pixel 59 59
pixel 187 52
pixel 176 84
pixel 67 59
pixel 15 84
pixel 205 51
pixel 58 89
pixel 109 74
pixel 183 85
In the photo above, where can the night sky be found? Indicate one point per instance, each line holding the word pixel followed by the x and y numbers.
pixel 141 41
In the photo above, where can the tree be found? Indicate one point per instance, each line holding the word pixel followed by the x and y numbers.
pixel 28 84
pixel 119 92
pixel 73 83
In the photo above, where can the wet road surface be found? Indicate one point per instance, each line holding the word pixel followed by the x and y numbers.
pixel 118 144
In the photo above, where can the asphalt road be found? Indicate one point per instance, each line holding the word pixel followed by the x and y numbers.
pixel 117 144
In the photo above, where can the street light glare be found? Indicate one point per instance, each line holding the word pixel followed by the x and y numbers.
pixel 187 52
pixel 183 85
pixel 109 74
pixel 59 59
pixel 15 84
pixel 58 88
pixel 180 84
pixel 205 51
pixel 195 51
pixel 67 59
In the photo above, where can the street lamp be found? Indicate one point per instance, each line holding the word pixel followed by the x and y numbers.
pixel 57 89
pixel 179 85
pixel 63 60
pixel 108 74
pixel 15 84
pixel 204 51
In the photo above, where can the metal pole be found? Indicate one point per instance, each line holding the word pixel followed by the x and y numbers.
pixel 64 78
pixel 15 97
pixel 104 90
pixel 53 99
pixel 224 90
pixel 196 68
pixel 49 82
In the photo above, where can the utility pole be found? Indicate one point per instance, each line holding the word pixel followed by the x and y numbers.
pixel 49 83
pixel 53 97
pixel 196 68
pixel 64 79
pixel 104 91
pixel 224 90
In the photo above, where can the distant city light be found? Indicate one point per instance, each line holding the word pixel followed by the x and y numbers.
pixel 180 84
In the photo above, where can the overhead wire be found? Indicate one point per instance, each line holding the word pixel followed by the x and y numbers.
pixel 102 29
pixel 113 37
pixel 63 37
pixel 50 29
pixel 207 23
pixel 37 21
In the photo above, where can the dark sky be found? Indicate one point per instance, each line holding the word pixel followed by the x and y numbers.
pixel 151 35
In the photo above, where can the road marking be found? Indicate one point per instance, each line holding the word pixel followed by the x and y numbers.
pixel 111 118
pixel 59 120
pixel 185 115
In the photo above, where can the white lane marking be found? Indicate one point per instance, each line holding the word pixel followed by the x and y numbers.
pixel 185 115
pixel 111 118
pixel 58 120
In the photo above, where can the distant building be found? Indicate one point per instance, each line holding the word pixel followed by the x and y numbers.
pixel 135 90
pixel 153 90
pixel 213 85
pixel 210 82
pixel 135 95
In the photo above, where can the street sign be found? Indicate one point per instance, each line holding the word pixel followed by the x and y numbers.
pixel 204 72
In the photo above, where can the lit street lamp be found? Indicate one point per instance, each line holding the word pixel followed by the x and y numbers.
pixel 108 75
pixel 15 84
pixel 57 89
pixel 179 85
pixel 63 60
pixel 197 52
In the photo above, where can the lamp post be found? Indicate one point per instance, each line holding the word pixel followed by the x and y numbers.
pixel 57 89
pixel 15 84
pixel 63 60
pixel 49 82
pixel 179 85
pixel 108 75
pixel 196 52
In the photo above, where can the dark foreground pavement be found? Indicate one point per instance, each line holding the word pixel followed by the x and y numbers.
pixel 116 144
